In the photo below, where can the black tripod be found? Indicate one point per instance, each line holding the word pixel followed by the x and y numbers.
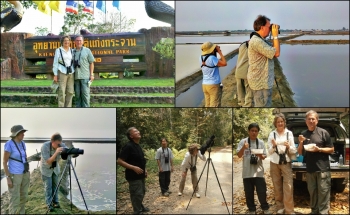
pixel 209 161
pixel 69 163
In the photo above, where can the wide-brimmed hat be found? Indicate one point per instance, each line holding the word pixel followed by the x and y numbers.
pixel 193 146
pixel 208 48
pixel 16 129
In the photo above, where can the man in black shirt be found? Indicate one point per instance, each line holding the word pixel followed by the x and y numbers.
pixel 318 176
pixel 132 158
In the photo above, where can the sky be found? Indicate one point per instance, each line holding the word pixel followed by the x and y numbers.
pixel 238 15
pixel 69 122
pixel 131 9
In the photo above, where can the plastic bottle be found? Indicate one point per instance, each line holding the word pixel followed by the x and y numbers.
pixel 341 160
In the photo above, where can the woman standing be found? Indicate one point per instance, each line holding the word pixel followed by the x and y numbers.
pixel 16 170
pixel 63 71
pixel 189 163
pixel 281 148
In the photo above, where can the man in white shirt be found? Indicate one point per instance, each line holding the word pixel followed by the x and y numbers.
pixel 190 162
pixel 164 157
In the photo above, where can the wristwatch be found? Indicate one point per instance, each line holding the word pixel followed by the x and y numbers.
pixel 7 176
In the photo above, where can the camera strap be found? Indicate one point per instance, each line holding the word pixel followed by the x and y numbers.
pixel 258 35
pixel 64 64
pixel 75 51
pixel 167 151
pixel 195 161
pixel 19 152
pixel 205 59
pixel 274 135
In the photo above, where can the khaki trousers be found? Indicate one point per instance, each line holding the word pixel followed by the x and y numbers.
pixel 194 181
pixel 18 193
pixel 212 95
pixel 282 178
pixel 65 90
pixel 244 93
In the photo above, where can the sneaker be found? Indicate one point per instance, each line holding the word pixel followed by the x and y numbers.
pixel 179 194
pixel 280 211
pixel 267 211
pixel 144 209
pixel 56 205
pixel 197 195
pixel 169 191
pixel 166 194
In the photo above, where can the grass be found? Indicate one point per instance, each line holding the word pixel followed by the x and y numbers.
pixel 5 92
pixel 151 82
pixel 124 104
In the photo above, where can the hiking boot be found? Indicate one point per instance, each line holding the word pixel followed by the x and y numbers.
pixel 198 195
pixel 166 194
pixel 169 191
pixel 179 194
pixel 56 205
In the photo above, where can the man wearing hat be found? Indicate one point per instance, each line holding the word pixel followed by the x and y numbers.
pixel 189 163
pixel 16 170
pixel 50 169
pixel 211 78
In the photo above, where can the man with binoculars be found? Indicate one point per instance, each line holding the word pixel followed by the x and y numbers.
pixel 260 74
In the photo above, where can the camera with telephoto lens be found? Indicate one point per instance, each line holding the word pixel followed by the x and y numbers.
pixel 283 159
pixel 208 144
pixel 75 152
pixel 253 159
pixel 76 64
pixel 277 26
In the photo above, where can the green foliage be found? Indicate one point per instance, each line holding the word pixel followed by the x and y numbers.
pixel 181 126
pixel 128 74
pixel 74 22
pixel 115 22
pixel 166 48
pixel 25 3
pixel 41 31
pixel 245 116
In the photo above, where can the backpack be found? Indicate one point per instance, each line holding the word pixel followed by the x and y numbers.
pixel 205 59
pixel 242 61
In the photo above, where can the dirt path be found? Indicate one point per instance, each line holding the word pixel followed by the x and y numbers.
pixel 339 201
pixel 212 203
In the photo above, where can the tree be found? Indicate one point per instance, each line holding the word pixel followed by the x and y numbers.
pixel 116 22
pixel 166 48
pixel 74 22
pixel 26 4
pixel 41 31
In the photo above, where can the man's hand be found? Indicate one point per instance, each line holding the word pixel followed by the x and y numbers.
pixel 301 138
pixel 246 145
pixel 160 169
pixel 59 150
pixel 184 174
pixel 92 77
pixel 55 78
pixel 9 182
pixel 275 30
pixel 314 149
pixel 138 170
pixel 172 169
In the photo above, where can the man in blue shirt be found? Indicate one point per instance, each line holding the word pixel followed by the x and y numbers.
pixel 211 78
pixel 16 170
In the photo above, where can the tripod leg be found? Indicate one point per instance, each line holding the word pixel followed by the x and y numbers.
pixel 70 189
pixel 81 192
pixel 206 183
pixel 197 182
pixel 58 185
pixel 220 187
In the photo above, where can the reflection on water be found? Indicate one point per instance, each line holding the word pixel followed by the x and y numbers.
pixel 323 37
pixel 96 172
pixel 194 96
pixel 317 74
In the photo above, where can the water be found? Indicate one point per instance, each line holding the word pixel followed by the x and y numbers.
pixel 317 74
pixel 234 38
pixel 323 37
pixel 187 58
pixel 96 172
